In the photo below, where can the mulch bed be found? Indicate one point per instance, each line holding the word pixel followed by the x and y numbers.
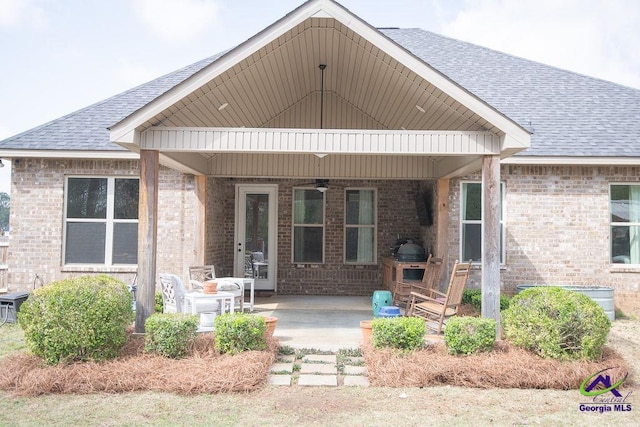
pixel 505 367
pixel 203 371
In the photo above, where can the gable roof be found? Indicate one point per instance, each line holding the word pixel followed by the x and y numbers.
pixel 569 114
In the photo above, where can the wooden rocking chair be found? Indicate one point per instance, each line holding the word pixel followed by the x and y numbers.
pixel 402 290
pixel 436 306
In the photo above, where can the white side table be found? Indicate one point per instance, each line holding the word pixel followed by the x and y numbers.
pixel 246 281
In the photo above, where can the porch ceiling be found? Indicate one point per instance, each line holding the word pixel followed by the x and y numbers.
pixel 273 83
pixel 279 86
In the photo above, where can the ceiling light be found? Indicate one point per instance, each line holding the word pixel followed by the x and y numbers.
pixel 223 106
pixel 322 188
pixel 422 110
pixel 320 155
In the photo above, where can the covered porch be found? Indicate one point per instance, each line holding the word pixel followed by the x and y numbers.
pixel 319 95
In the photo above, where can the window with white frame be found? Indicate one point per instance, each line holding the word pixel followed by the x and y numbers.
pixel 625 223
pixel 308 226
pixel 101 221
pixel 360 226
pixel 471 222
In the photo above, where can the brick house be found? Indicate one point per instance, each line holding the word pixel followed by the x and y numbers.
pixel 220 162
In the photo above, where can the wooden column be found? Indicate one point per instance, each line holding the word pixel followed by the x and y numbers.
pixel 442 223
pixel 147 237
pixel 200 238
pixel 491 238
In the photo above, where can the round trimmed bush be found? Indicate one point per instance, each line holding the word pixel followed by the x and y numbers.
pixel 170 334
pixel 84 318
pixel 404 333
pixel 238 332
pixel 467 335
pixel 556 323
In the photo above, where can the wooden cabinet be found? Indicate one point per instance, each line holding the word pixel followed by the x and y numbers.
pixel 392 270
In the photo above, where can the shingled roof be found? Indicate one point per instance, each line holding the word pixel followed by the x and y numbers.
pixel 569 114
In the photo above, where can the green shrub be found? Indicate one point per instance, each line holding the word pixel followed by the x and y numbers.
pixel 404 333
pixel 159 308
pixel 77 319
pixel 556 323
pixel 474 297
pixel 170 334
pixel 238 332
pixel 467 335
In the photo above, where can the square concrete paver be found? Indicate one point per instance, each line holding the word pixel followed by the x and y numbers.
pixel 279 380
pixel 318 368
pixel 282 367
pixel 318 380
pixel 356 381
pixel 322 358
pixel 355 370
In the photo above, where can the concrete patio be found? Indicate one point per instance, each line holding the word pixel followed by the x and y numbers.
pixel 327 323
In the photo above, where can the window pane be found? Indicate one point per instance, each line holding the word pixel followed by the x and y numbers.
pixel 360 207
pixel 87 198
pixel 85 243
pixel 308 207
pixel 359 245
pixel 472 242
pixel 126 199
pixel 125 243
pixel 307 244
pixel 472 201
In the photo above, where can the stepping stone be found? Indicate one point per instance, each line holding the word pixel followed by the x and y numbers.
pixel 356 381
pixel 279 380
pixel 282 367
pixel 283 358
pixel 318 380
pixel 323 358
pixel 318 368
pixel 355 370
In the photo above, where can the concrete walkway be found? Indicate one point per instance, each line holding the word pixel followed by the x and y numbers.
pixel 317 328
pixel 316 322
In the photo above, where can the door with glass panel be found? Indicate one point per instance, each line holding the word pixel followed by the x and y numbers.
pixel 255 240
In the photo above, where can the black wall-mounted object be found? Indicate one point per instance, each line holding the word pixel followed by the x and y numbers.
pixel 424 207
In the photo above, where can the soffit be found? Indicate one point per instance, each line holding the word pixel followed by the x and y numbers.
pixel 279 85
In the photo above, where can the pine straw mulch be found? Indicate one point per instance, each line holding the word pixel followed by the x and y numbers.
pixel 203 371
pixel 505 367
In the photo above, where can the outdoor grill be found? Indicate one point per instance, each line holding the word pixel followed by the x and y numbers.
pixel 411 252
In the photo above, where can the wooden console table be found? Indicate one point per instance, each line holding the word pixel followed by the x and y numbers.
pixel 392 270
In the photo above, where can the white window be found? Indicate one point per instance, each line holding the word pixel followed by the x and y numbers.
pixel 101 221
pixel 360 226
pixel 471 222
pixel 625 223
pixel 308 226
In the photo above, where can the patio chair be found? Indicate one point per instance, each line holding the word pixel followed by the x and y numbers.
pixel 436 307
pixel 235 285
pixel 173 296
pixel 198 274
pixel 402 290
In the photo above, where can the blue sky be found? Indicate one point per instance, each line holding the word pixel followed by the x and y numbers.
pixel 61 55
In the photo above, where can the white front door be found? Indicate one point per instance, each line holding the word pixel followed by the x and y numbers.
pixel 255 237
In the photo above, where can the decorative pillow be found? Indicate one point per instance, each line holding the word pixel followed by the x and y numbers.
pixel 227 285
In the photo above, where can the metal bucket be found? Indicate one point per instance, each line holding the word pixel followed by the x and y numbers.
pixel 602 295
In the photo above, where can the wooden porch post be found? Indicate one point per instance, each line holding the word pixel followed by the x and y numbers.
pixel 147 237
pixel 200 239
pixel 491 238
pixel 442 219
